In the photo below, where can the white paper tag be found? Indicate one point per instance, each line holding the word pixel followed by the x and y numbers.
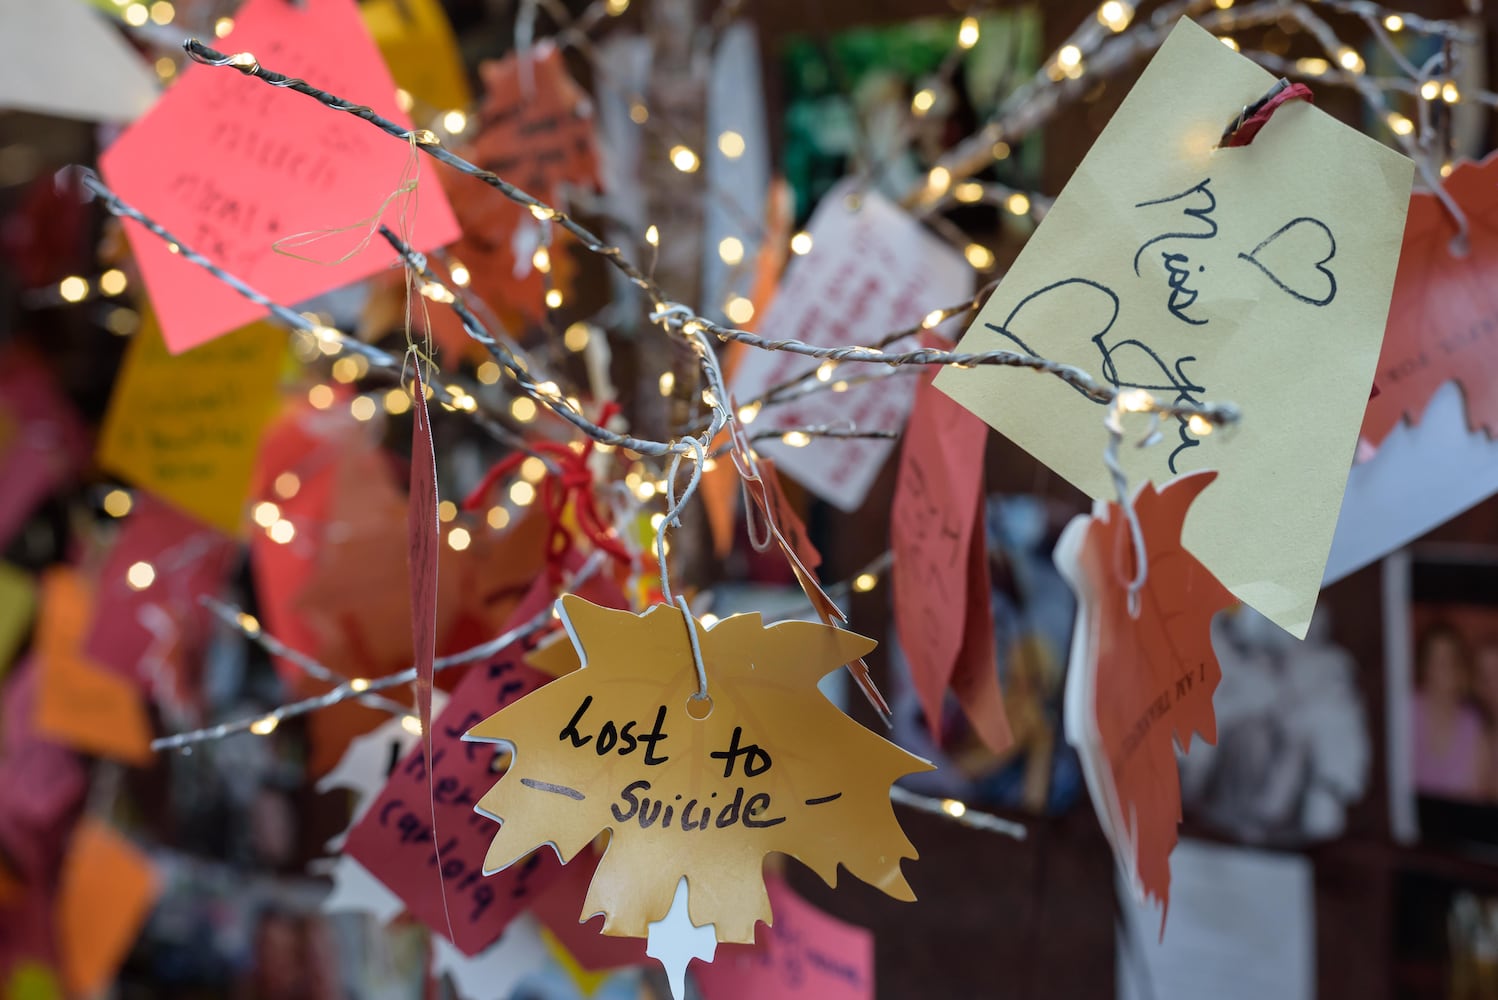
pixel 871 270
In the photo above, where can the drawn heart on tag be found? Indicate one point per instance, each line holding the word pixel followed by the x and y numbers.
pixel 1288 257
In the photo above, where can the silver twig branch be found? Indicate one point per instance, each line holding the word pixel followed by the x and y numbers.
pixel 667 311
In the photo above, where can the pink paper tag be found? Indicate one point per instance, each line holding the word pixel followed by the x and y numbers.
pixel 806 955
pixel 231 165
pixel 150 634
pixel 42 440
pixel 40 782
pixel 940 574
pixel 394 839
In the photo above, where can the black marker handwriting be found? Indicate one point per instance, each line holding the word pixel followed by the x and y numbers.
pixel 1301 287
pixel 1178 266
pixel 1201 214
pixel 1126 364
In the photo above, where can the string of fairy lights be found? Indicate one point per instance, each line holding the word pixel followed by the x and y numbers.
pixel 1067 63
pixel 1106 44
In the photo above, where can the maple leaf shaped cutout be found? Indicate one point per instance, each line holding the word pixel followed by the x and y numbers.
pixel 1441 319
pixel 773 767
pixel 1139 686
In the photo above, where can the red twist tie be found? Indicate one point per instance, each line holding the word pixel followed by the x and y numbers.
pixel 1256 116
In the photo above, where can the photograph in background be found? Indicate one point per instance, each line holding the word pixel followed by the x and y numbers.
pixel 1441 621
pixel 1033 614
pixel 848 98
pixel 1292 749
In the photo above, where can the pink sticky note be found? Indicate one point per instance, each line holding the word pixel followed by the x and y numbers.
pixel 42 440
pixel 150 634
pixel 232 165
pixel 806 955
pixel 40 782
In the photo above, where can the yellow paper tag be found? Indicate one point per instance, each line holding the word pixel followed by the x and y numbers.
pixel 773 766
pixel 586 982
pixel 17 607
pixel 419 47
pixel 32 981
pixel 187 427
pixel 1259 275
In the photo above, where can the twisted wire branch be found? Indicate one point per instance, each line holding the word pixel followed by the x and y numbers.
pixel 679 318
pixel 476 330
pixel 285 315
pixel 360 687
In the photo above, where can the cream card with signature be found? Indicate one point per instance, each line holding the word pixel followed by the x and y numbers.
pixel 1258 275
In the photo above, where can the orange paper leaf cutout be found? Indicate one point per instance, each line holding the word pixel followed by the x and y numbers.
pixel 1443 320
pixel 773 767
pixel 1140 686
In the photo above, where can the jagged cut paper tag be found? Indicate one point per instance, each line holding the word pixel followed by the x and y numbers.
pixel 773 767
pixel 1441 320
pixel 1140 685
pixel 1257 274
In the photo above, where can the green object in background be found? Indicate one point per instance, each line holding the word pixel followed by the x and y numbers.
pixel 32 981
pixel 848 100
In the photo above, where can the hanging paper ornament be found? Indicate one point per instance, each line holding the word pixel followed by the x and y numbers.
pixel 692 786
pixel 1141 679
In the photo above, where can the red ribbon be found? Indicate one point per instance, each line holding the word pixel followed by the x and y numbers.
pixel 1250 126
pixel 573 483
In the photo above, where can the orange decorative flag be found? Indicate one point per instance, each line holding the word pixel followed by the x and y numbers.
pixel 696 791
pixel 535 130
pixel 107 889
pixel 1140 684
pixel 1441 326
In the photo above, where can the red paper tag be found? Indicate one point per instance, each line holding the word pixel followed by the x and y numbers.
pixel 805 955
pixel 1443 320
pixel 232 165
pixel 150 634
pixel 423 535
pixel 940 570
pixel 792 528
pixel 558 907
pixel 325 454
pixel 40 782
pixel 394 839
pixel 975 678
pixel 42 440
